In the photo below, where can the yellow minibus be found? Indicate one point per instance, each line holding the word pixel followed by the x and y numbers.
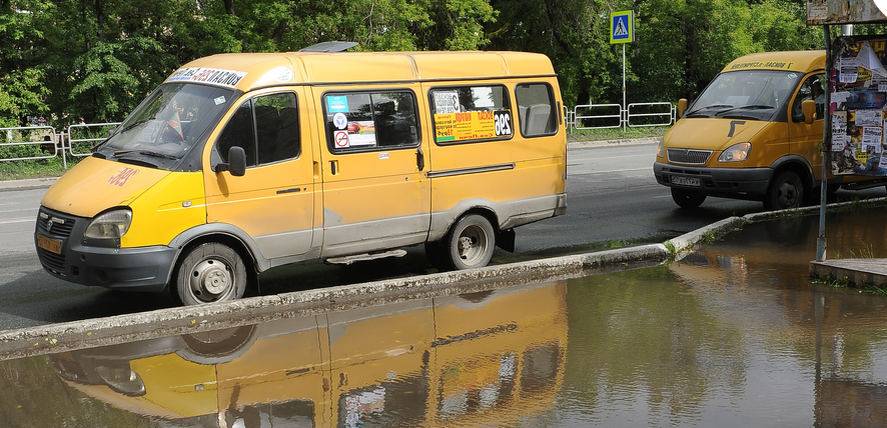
pixel 750 136
pixel 242 162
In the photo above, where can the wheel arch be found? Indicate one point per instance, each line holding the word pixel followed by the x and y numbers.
pixel 225 234
pixel 797 164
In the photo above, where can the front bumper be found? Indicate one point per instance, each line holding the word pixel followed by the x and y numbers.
pixel 70 259
pixel 724 182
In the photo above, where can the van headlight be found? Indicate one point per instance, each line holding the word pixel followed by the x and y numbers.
pixel 660 148
pixel 110 225
pixel 735 153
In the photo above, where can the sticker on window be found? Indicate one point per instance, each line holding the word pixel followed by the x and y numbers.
pixel 213 76
pixel 474 125
pixel 337 104
pixel 446 102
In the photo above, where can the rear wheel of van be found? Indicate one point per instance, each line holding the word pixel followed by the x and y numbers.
pixel 469 244
pixel 786 191
pixel 687 198
pixel 210 273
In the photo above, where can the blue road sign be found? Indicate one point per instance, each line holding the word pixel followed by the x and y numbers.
pixel 622 27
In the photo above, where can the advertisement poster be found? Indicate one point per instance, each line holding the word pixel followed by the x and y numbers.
pixel 858 106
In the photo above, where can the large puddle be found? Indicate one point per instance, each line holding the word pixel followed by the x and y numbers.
pixel 734 335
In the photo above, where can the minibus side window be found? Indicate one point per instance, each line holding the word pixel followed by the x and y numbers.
pixel 368 121
pixel 535 106
pixel 811 89
pixel 266 127
pixel 465 114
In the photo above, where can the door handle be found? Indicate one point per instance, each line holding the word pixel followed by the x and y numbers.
pixel 334 167
pixel 420 159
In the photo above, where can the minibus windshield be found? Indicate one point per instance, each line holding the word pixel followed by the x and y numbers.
pixel 167 124
pixel 749 94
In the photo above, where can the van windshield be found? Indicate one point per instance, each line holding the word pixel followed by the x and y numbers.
pixel 167 124
pixel 748 94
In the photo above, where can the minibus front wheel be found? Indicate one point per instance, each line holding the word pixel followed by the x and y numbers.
pixel 210 272
pixel 469 244
pixel 786 191
pixel 687 198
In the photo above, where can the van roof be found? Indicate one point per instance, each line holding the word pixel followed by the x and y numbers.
pixel 801 61
pixel 247 71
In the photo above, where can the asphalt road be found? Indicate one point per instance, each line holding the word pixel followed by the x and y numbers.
pixel 613 201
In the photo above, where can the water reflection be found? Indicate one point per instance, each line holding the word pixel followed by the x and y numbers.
pixel 735 335
pixel 450 361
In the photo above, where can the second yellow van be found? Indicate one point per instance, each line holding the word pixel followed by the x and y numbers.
pixel 238 163
pixel 754 133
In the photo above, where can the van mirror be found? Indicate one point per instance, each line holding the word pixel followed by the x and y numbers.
pixel 808 107
pixel 236 162
pixel 682 106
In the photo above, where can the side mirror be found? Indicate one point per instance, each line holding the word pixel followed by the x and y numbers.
pixel 682 107
pixel 236 162
pixel 808 107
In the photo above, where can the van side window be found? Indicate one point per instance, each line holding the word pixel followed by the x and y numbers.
pixel 267 127
pixel 536 109
pixel 811 89
pixel 367 121
pixel 471 113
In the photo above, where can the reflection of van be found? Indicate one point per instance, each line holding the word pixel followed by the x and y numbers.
pixel 750 136
pixel 242 162
pixel 495 356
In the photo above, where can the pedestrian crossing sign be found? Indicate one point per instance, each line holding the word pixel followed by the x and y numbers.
pixel 622 27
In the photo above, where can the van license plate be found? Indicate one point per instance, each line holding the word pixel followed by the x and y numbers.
pixel 685 181
pixel 49 244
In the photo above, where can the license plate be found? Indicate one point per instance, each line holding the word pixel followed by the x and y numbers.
pixel 49 244
pixel 685 181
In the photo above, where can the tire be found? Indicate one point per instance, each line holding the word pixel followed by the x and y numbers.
pixel 687 198
pixel 210 273
pixel 469 243
pixel 786 191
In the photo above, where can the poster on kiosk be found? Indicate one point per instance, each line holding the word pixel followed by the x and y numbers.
pixel 858 106
pixel 856 88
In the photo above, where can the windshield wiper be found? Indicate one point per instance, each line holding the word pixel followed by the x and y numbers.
pixel 146 153
pixel 709 107
pixel 748 107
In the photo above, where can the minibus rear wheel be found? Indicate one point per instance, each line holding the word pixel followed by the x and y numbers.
pixel 469 243
pixel 210 272
pixel 687 198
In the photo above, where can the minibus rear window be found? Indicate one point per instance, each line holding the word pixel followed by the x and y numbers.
pixel 465 114
pixel 536 113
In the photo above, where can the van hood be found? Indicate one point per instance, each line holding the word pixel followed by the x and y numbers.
pixel 95 184
pixel 711 134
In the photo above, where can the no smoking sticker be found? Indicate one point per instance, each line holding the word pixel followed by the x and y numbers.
pixel 341 139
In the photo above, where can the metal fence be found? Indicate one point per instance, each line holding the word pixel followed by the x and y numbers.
pixel 44 142
pixel 601 116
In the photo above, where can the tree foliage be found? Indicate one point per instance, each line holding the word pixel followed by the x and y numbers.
pixel 96 59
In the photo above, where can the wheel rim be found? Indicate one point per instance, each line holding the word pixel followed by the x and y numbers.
pixel 211 279
pixel 472 245
pixel 787 195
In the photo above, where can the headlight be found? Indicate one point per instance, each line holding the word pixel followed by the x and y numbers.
pixel 735 153
pixel 110 225
pixel 120 378
pixel 660 148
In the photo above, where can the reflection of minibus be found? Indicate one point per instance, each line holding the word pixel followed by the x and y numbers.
pixel 451 361
pixel 749 135
pixel 238 163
